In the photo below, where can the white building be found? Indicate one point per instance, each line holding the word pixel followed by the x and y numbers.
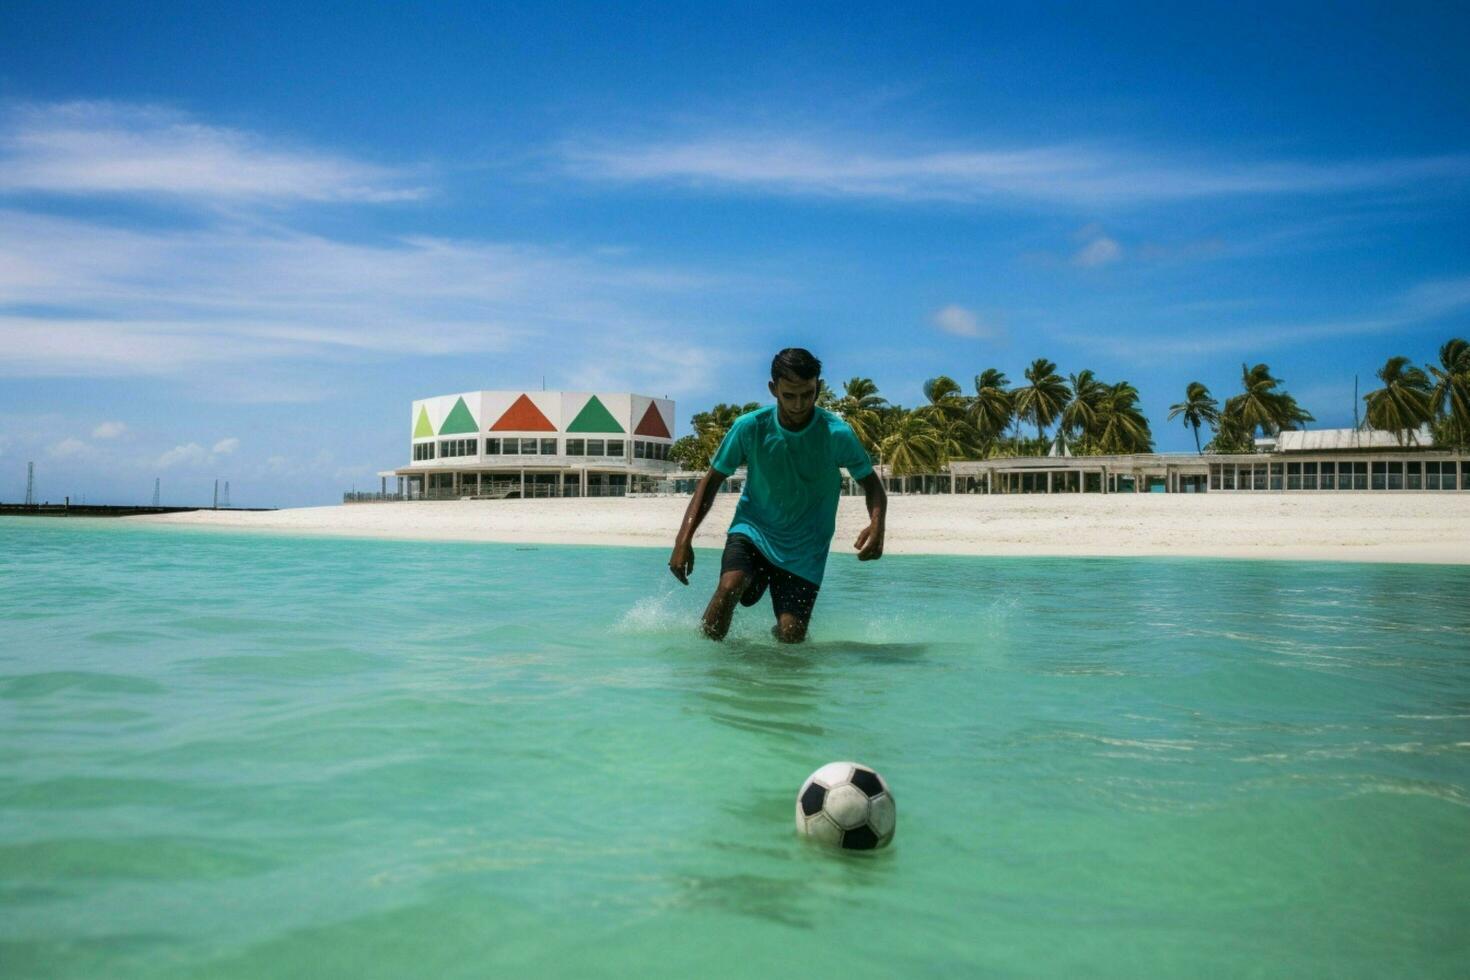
pixel 1321 459
pixel 536 444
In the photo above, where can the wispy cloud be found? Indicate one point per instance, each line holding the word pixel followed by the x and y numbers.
pixel 1417 307
pixel 961 322
pixel 1099 251
pixel 109 430
pixel 68 448
pixel 1070 173
pixel 226 446
pixel 78 298
pixel 91 148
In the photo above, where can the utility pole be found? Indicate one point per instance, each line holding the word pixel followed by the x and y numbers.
pixel 155 491
pixel 30 484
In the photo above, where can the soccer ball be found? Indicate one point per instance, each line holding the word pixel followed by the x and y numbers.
pixel 846 805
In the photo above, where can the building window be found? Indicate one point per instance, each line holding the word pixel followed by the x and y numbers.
pixel 1380 476
pixel 1276 469
pixel 1413 479
pixel 529 447
pixel 640 449
pixel 492 447
pixel 458 447
pixel 1309 476
pixel 595 447
pixel 576 447
pixel 1431 475
pixel 1293 476
pixel 422 451
pixel 1395 475
pixel 615 447
pixel 548 447
pixel 1329 477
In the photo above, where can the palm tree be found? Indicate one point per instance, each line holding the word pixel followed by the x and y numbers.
pixel 858 407
pixel 945 398
pixel 1122 427
pixel 992 407
pixel 1081 414
pixel 1260 406
pixel 1041 401
pixel 1198 409
pixel 1450 397
pixel 912 445
pixel 1402 405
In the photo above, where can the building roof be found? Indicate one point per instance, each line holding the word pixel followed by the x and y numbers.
pixel 1320 440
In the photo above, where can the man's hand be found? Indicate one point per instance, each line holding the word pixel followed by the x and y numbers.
pixel 869 543
pixel 681 562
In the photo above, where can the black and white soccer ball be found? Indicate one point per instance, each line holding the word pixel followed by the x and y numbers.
pixel 847 805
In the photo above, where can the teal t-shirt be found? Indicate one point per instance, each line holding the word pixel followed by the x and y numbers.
pixel 789 504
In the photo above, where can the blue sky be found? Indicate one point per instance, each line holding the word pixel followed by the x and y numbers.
pixel 237 243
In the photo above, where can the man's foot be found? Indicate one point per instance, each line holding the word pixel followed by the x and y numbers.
pixel 755 588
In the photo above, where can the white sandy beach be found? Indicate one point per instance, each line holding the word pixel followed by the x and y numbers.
pixel 1367 526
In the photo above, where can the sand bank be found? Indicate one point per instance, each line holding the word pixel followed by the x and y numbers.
pixel 1367 526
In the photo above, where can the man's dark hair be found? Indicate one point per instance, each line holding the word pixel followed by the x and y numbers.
pixel 795 364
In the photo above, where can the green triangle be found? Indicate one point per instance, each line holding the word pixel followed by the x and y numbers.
pixel 594 417
pixel 422 429
pixel 459 420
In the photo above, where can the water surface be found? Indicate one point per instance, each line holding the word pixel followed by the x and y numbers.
pixel 270 756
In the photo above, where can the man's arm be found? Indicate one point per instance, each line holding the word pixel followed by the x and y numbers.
pixel 869 542
pixel 681 562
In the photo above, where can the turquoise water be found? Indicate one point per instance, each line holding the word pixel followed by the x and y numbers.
pixel 265 756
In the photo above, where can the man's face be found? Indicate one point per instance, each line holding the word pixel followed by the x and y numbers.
pixel 795 399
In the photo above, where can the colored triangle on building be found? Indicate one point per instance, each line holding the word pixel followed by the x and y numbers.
pixel 422 429
pixel 459 420
pixel 653 424
pixel 594 417
pixel 523 416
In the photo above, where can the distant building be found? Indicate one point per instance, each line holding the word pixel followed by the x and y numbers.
pixel 535 444
pixel 1323 459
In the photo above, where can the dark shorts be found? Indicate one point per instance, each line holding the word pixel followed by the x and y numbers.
pixel 789 593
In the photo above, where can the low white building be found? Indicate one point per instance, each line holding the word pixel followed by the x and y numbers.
pixel 535 444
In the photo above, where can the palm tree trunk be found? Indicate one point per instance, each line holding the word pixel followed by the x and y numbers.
pixel 1196 441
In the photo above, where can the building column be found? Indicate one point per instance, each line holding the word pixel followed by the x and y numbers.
pixel 1048 482
pixel 523 484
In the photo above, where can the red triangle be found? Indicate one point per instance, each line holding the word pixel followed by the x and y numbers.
pixel 523 416
pixel 652 424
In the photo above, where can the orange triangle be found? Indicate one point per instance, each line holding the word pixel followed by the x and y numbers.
pixel 652 424
pixel 523 416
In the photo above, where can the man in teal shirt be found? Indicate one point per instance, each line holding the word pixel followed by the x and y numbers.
pixel 787 514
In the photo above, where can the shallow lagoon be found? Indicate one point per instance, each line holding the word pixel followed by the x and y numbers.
pixel 271 756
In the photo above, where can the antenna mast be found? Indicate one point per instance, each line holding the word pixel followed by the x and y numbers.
pixel 30 484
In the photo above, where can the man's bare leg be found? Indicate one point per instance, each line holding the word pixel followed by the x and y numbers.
pixel 789 628
pixel 722 604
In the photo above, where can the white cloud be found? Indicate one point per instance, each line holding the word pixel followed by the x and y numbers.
pixel 109 430
pixel 68 448
pixel 957 320
pixel 129 149
pixel 777 162
pixel 191 454
pixel 226 446
pixel 198 304
pixel 1099 251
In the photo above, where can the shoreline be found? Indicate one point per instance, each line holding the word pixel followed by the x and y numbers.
pixel 1416 528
